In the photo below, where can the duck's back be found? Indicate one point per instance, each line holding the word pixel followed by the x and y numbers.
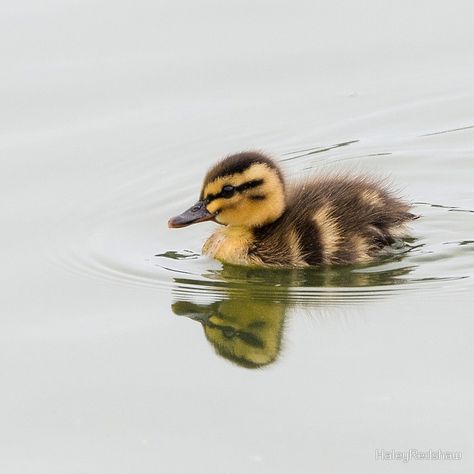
pixel 332 220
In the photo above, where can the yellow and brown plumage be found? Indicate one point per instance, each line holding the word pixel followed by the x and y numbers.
pixel 318 221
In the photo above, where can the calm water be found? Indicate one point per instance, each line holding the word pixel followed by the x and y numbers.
pixel 123 349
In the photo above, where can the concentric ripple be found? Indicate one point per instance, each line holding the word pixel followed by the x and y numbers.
pixel 125 239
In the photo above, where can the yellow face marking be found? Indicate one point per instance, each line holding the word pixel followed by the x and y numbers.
pixel 328 231
pixel 217 204
pixel 240 210
pixel 371 197
pixel 254 172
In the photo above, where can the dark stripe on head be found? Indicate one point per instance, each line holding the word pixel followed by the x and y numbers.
pixel 243 187
pixel 249 185
pixel 238 163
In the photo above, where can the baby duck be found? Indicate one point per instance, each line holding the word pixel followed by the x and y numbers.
pixel 318 221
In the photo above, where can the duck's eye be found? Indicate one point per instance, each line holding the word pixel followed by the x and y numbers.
pixel 228 191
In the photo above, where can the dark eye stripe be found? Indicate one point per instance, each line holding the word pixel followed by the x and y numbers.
pixel 243 187
pixel 249 185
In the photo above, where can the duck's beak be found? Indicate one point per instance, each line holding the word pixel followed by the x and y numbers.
pixel 195 214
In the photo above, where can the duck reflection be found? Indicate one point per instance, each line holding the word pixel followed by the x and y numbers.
pixel 243 331
pixel 245 322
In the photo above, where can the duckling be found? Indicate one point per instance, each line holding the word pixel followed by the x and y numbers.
pixel 323 220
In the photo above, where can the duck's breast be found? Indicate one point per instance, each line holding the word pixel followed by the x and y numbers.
pixel 230 244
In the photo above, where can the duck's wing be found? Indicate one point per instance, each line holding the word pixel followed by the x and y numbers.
pixel 345 219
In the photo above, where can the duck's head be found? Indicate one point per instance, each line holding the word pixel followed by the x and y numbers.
pixel 246 189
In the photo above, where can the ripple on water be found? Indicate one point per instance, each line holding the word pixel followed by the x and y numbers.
pixel 129 243
pixel 126 252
